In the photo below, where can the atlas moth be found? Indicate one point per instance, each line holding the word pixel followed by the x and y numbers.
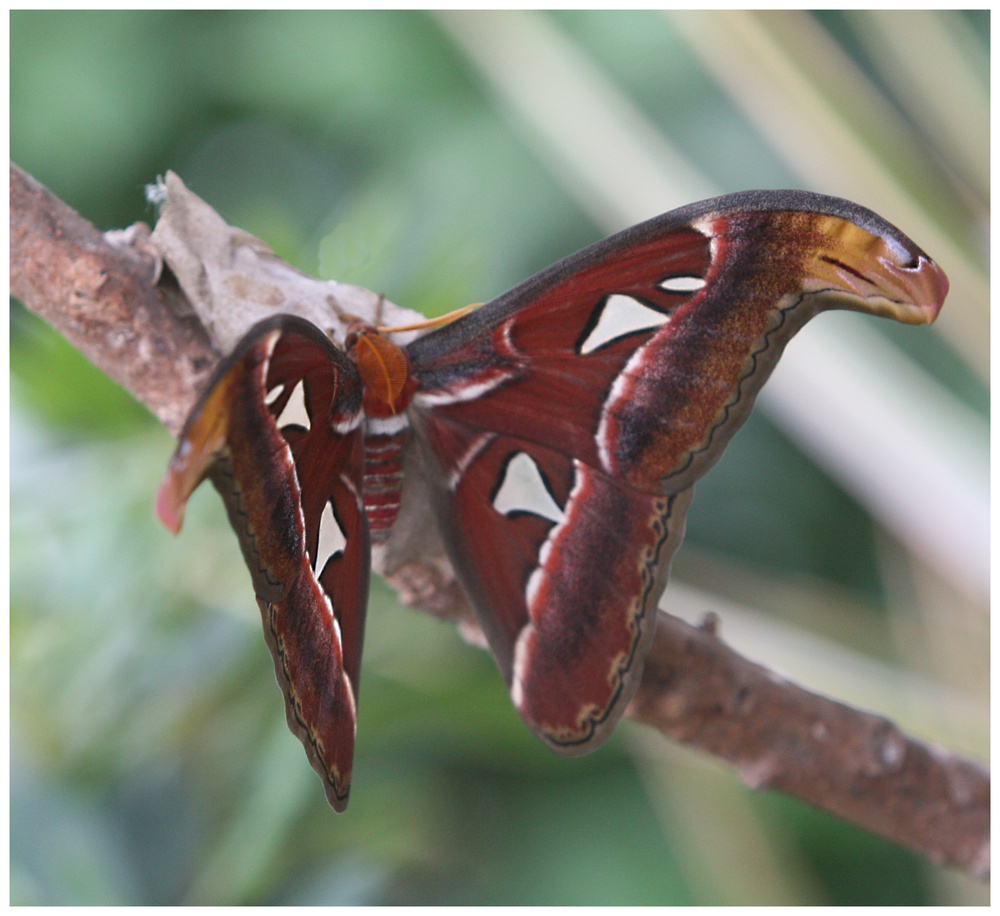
pixel 561 428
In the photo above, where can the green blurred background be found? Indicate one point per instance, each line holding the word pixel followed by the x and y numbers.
pixel 440 159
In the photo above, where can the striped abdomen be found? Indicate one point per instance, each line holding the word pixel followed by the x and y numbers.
pixel 383 480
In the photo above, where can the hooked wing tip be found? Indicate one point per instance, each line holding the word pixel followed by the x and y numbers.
pixel 170 503
pixel 925 287
pixel 906 276
pixel 337 800
pixel 937 282
pixel 883 274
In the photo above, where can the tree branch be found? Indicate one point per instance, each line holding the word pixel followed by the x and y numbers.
pixel 104 300
pixel 777 735
pixel 113 303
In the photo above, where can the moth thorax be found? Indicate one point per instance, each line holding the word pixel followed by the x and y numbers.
pixel 385 370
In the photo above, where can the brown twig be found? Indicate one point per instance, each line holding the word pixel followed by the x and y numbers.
pixel 107 302
pixel 104 301
pixel 776 735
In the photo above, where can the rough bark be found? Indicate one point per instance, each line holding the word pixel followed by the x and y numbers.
pixel 106 301
pixel 777 735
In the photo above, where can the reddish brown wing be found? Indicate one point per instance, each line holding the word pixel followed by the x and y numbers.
pixel 569 418
pixel 279 433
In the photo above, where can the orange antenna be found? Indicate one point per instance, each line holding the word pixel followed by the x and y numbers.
pixel 433 322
